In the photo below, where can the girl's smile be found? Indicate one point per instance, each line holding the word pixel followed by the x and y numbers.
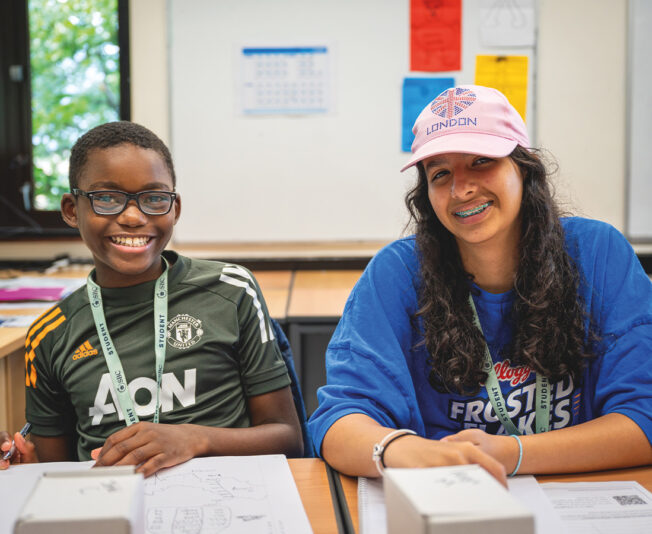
pixel 477 199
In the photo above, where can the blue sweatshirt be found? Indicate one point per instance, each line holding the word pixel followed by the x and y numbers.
pixel 377 366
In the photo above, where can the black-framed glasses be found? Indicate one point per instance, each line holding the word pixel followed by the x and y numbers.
pixel 114 202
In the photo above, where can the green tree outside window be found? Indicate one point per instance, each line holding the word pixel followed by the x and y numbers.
pixel 75 76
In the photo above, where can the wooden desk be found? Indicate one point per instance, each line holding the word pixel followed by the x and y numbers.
pixel 12 369
pixel 12 353
pixel 275 286
pixel 312 483
pixel 321 294
pixel 642 475
pixel 317 300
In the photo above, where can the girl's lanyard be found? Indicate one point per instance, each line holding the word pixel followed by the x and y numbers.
pixel 542 397
pixel 110 354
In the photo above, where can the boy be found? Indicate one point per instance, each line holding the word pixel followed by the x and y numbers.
pixel 151 329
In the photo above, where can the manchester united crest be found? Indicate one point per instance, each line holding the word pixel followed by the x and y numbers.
pixel 184 331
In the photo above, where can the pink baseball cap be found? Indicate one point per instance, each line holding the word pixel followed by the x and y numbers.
pixel 470 119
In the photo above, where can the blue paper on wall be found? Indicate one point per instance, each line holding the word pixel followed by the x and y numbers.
pixel 417 92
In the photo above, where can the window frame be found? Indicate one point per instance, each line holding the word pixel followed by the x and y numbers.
pixel 16 162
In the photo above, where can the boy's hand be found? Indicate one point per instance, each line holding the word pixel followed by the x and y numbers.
pixel 149 446
pixel 25 452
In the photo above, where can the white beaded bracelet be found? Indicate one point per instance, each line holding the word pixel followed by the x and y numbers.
pixel 379 448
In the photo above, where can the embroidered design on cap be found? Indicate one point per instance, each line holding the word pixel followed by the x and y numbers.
pixel 452 102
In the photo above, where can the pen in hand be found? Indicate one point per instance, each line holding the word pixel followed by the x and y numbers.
pixel 23 432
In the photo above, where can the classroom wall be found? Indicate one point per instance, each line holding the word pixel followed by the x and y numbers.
pixel 580 89
pixel 581 68
pixel 581 86
pixel 149 66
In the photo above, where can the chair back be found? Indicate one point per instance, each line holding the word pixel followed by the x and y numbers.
pixel 286 351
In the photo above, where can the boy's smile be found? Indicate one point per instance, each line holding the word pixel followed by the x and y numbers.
pixel 126 247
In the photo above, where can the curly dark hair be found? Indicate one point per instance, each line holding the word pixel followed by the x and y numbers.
pixel 113 134
pixel 548 315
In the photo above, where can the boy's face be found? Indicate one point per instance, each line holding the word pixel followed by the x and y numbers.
pixel 126 247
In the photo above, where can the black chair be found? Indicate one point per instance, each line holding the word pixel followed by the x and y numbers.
pixel 286 351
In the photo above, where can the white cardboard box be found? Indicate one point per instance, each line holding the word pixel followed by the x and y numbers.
pixel 462 499
pixel 102 500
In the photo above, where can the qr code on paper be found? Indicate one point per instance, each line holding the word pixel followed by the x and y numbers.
pixel 626 500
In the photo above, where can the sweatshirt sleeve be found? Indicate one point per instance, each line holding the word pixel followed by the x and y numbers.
pixel 622 307
pixel 367 359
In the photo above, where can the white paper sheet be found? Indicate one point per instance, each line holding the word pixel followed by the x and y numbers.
pixel 508 23
pixel 243 495
pixel 372 515
pixel 17 321
pixel 602 507
pixel 42 281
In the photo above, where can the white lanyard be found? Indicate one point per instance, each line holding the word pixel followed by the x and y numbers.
pixel 111 355
pixel 542 396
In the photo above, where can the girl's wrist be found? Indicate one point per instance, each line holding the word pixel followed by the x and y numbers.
pixel 396 451
pixel 514 454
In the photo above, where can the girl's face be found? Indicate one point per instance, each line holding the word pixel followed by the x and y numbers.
pixel 477 198
pixel 126 247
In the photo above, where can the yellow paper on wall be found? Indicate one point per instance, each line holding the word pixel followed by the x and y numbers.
pixel 508 74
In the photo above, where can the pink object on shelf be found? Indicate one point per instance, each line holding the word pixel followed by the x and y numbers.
pixel 32 293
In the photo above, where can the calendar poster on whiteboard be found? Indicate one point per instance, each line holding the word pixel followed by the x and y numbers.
pixel 291 80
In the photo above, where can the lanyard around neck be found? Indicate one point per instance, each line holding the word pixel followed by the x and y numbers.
pixel 542 396
pixel 111 355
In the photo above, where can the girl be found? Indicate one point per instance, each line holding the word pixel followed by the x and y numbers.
pixel 500 333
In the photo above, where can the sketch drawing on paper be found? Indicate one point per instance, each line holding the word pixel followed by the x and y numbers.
pixel 205 501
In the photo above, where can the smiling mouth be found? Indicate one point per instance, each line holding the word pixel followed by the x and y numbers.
pixel 131 241
pixel 473 211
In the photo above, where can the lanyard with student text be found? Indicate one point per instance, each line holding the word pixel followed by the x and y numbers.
pixel 111 355
pixel 542 396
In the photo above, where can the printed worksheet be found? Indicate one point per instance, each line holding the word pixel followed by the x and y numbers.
pixel 238 494
pixel 218 495
pixel 602 507
pixel 372 513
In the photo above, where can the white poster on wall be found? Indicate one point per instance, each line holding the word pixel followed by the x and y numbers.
pixel 508 23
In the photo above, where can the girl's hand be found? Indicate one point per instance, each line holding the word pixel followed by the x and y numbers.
pixel 415 451
pixel 149 446
pixel 25 452
pixel 502 448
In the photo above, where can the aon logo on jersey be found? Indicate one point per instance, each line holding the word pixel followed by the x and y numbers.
pixel 106 397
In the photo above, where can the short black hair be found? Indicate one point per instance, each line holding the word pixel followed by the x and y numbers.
pixel 113 134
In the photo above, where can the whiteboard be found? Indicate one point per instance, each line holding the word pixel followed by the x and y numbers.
pixel 639 195
pixel 315 177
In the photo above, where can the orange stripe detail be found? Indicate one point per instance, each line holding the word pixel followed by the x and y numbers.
pixel 47 316
pixel 32 376
pixel 87 345
pixel 27 382
pixel 43 333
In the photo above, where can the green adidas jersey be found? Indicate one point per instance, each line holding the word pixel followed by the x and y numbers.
pixel 220 350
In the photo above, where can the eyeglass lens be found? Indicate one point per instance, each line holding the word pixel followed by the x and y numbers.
pixel 150 202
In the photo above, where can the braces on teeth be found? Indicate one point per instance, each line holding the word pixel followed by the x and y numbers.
pixel 473 211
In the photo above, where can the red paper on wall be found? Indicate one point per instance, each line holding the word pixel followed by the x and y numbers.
pixel 435 35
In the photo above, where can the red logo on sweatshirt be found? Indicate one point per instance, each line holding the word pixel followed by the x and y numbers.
pixel 514 375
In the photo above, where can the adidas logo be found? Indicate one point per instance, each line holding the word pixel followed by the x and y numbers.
pixel 85 349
